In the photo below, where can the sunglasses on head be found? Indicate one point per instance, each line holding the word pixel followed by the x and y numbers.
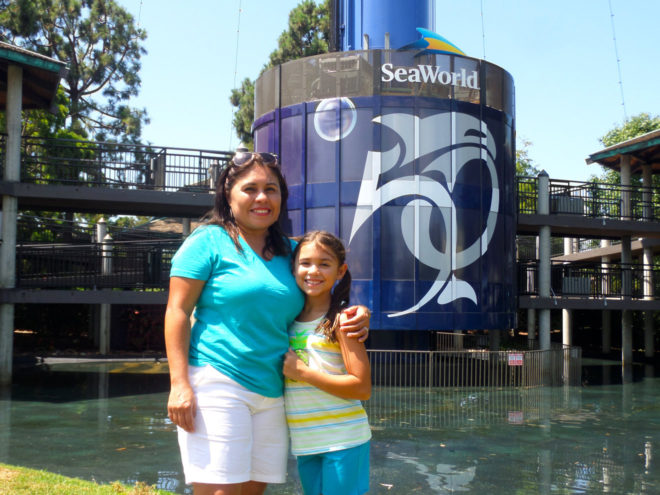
pixel 245 157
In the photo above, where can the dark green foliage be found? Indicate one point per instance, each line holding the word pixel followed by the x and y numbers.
pixel 101 46
pixel 633 127
pixel 243 100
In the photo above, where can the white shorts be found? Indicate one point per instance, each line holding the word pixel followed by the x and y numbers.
pixel 239 435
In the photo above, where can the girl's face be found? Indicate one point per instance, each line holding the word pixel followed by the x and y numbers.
pixel 255 200
pixel 316 270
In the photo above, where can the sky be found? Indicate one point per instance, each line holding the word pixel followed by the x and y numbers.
pixel 570 90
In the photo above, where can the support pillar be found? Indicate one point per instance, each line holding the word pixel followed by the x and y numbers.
pixel 606 341
pixel 566 314
pixel 9 213
pixel 494 340
pixel 606 330
pixel 626 314
pixel 104 313
pixel 649 330
pixel 647 192
pixel 543 208
pixel 626 274
pixel 567 326
pixel 531 328
pixel 626 211
pixel 185 227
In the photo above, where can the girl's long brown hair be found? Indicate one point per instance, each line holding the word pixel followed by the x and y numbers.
pixel 340 296
pixel 277 243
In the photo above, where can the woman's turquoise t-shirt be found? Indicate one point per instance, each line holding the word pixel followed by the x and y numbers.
pixel 244 309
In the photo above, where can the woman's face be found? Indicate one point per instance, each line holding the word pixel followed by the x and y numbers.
pixel 255 200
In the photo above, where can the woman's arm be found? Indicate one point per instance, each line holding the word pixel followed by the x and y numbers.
pixel 356 384
pixel 355 322
pixel 184 293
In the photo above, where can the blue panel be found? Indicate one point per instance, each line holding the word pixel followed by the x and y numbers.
pixel 296 196
pixel 321 152
pixel 291 138
pixel 294 226
pixel 319 195
pixel 397 295
pixel 320 219
pixel 349 193
pixel 360 254
pixel 397 263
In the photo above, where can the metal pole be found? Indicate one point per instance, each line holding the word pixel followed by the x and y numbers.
pixel 9 214
pixel 543 208
pixel 104 313
pixel 626 292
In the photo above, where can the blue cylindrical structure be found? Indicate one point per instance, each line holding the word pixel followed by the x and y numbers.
pixel 409 158
pixel 375 18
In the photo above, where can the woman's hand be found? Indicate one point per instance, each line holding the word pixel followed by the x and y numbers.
pixel 181 407
pixel 294 367
pixel 355 322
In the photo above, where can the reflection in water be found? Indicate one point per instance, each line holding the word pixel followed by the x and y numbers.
pixel 107 421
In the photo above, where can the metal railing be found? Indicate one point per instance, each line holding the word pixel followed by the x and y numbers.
pixel 32 229
pixel 420 407
pixel 122 265
pixel 592 280
pixel 476 368
pixel 590 199
pixel 117 165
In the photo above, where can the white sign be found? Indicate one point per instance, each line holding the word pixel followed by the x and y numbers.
pixel 430 74
pixel 516 359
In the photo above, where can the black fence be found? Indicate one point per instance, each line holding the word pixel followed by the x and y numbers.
pixel 590 199
pixel 31 229
pixel 592 280
pixel 117 165
pixel 121 265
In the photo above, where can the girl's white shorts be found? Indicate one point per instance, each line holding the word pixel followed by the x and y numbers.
pixel 239 435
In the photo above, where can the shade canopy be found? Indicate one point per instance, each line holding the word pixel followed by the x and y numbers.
pixel 644 149
pixel 41 76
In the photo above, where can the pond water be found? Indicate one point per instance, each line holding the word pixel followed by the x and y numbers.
pixel 107 422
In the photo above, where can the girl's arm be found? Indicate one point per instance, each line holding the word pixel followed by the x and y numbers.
pixel 184 293
pixel 356 384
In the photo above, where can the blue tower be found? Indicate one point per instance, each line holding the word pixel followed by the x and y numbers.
pixel 407 154
pixel 376 18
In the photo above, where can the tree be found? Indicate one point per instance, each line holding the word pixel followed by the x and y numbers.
pixel 308 34
pixel 633 127
pixel 100 44
pixel 525 166
pixel 243 100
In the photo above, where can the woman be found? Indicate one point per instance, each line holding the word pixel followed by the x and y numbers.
pixel 226 371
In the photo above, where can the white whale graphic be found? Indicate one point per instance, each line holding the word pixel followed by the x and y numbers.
pixel 420 140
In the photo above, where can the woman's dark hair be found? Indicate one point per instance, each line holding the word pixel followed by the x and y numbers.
pixel 277 243
pixel 339 298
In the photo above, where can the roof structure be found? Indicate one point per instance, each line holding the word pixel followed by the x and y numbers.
pixel 644 149
pixel 41 76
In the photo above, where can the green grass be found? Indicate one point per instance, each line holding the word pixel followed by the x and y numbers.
pixel 23 481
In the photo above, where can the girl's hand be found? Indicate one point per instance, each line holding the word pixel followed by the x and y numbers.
pixel 181 407
pixel 355 322
pixel 294 367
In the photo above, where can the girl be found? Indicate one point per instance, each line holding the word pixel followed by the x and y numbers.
pixel 327 376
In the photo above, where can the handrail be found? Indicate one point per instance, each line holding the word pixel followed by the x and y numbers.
pixel 591 199
pixel 593 280
pixel 118 165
